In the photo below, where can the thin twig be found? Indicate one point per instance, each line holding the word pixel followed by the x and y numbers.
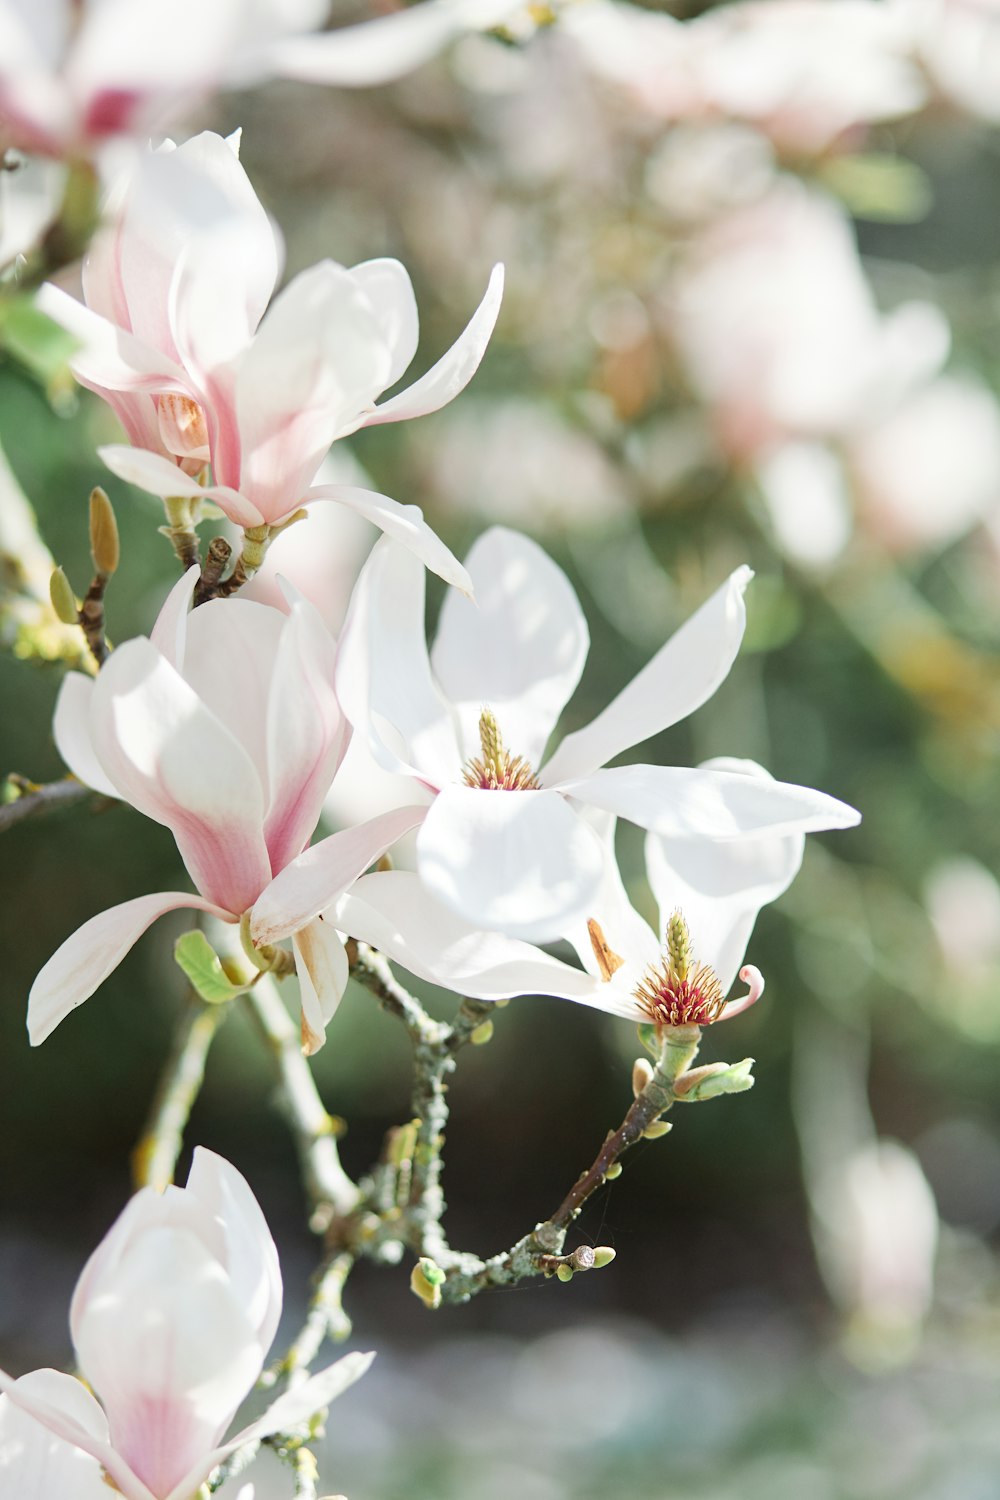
pixel 91 619
pixel 33 798
pixel 154 1159
pixel 331 1192
pixel 215 564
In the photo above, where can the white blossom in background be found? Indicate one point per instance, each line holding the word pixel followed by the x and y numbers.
pixel 75 73
pixel 958 43
pixel 224 726
pixel 29 196
pixel 716 889
pixel 503 842
pixel 802 72
pixel 176 289
pixel 172 1319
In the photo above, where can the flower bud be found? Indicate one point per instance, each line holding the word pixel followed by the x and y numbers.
pixel 104 546
pixel 426 1281
pixel 642 1074
pixel 657 1128
pixel 63 599
pixel 713 1079
pixel 564 1273
pixel 482 1034
pixel 603 1256
pixel 613 1171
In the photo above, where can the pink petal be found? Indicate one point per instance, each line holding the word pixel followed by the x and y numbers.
pixel 85 960
pixel 318 877
pixel 522 862
pixel 680 678
pixel 169 633
pixel 76 1419
pixel 453 371
pixel 71 729
pixel 158 476
pixel 111 358
pixel 519 648
pixel 176 762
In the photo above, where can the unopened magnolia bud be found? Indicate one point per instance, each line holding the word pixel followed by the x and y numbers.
pixel 642 1073
pixel 63 599
pixel 615 1170
pixel 656 1128
pixel 714 1079
pixel 603 1256
pixel 104 546
pixel 482 1034
pixel 426 1281
pixel 564 1273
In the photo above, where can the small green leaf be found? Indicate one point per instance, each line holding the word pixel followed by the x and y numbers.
pixel 879 186
pixel 41 345
pixel 202 966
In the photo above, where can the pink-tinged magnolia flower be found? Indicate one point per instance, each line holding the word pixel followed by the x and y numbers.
pixel 958 43
pixel 779 333
pixel 225 727
pixel 504 843
pixel 172 1319
pixel 74 73
pixel 709 894
pixel 175 291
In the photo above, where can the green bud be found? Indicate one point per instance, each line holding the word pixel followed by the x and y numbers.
pixel 615 1170
pixel 482 1034
pixel 564 1273
pixel 642 1074
pixel 603 1256
pixel 63 599
pixel 104 545
pixel 657 1128
pixel 714 1079
pixel 426 1280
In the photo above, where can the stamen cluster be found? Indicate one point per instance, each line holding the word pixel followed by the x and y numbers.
pixel 677 991
pixel 496 770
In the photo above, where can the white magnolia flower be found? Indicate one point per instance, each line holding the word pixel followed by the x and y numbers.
pixel 175 290
pixel 503 842
pixel 172 1319
pixel 958 42
pixel 709 894
pixel 75 72
pixel 223 726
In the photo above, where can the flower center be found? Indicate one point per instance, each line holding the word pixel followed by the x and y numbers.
pixel 677 991
pixel 182 426
pixel 496 770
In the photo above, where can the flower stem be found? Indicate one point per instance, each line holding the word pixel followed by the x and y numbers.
pixel 154 1159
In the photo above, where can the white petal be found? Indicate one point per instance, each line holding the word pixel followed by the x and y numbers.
pixel 34 1462
pixel 693 803
pixel 323 971
pixel 681 676
pixel 176 762
pixel 397 915
pixel 522 862
pixel 71 728
pixel 307 734
pixel 626 933
pixel 384 675
pixel 49 1397
pixel 318 877
pixel 304 1401
pixel 169 633
pixel 720 887
pixel 389 289
pixel 519 648
pixel 111 358
pixel 453 371
pixel 158 476
pixel 378 51
pixel 405 523
pixel 85 960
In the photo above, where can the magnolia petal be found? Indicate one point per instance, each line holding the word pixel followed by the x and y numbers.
pixel 378 51
pixel 158 476
pixel 627 935
pixel 169 634
pixel 384 677
pixel 523 862
pixel 110 358
pixel 682 675
pixel 34 1462
pixel 95 950
pixel 323 971
pixel 66 1409
pixel 71 728
pixel 519 649
pixel 453 371
pixel 307 734
pixel 693 803
pixel 395 913
pixel 176 762
pixel 389 289
pixel 720 887
pixel 405 523
pixel 318 877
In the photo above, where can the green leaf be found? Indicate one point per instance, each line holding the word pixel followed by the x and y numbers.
pixel 880 187
pixel 39 344
pixel 203 968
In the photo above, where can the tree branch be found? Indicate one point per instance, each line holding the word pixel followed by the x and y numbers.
pixel 30 797
pixel 154 1159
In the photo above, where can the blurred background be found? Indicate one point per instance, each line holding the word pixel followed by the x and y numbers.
pixel 752 314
